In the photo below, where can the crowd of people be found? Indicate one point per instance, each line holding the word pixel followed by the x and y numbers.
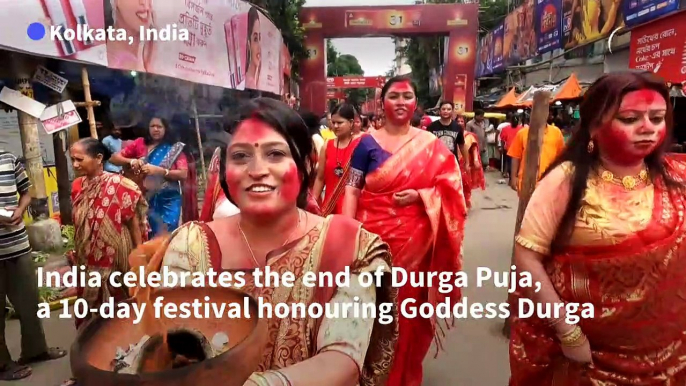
pixel 605 225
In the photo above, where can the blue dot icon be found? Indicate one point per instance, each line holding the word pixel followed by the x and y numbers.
pixel 36 31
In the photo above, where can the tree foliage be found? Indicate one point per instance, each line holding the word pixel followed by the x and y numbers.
pixel 285 16
pixel 426 53
pixel 338 64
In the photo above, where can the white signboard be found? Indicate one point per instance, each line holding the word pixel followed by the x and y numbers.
pixel 59 117
pixel 21 102
pixel 50 79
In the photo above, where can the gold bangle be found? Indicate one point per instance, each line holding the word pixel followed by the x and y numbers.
pixel 574 338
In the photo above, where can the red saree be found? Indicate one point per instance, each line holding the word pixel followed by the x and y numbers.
pixel 638 334
pixel 425 236
pixel 335 186
pixel 475 177
pixel 102 208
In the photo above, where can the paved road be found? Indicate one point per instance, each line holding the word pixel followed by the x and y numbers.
pixel 475 352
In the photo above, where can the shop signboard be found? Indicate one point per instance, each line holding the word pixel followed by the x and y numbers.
pixel 659 47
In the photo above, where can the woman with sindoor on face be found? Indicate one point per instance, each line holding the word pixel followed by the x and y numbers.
pixel 266 172
pixel 405 186
pixel 605 226
pixel 161 166
pixel 109 214
pixel 334 160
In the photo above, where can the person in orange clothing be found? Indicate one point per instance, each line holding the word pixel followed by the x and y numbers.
pixel 552 146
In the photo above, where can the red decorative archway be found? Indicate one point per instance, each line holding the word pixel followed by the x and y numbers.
pixel 458 21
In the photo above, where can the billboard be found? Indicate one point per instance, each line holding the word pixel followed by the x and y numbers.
pixel 548 25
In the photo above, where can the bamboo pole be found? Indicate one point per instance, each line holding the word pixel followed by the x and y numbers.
pixel 539 121
pixel 197 132
pixel 89 102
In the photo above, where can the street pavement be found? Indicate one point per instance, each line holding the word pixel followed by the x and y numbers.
pixel 475 353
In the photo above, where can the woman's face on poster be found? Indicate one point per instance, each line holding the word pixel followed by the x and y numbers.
pixel 133 14
pixel 255 43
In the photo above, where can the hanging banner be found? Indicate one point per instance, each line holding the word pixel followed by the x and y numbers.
pixel 263 69
pixel 59 117
pixel 355 81
pixel 659 47
pixel 511 38
pixel 586 21
pixel 498 63
pixel 642 11
pixel 549 16
pixel 485 63
pixel 65 29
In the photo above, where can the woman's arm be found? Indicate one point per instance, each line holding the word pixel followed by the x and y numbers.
pixel 319 181
pixel 119 160
pixel 539 226
pixel 352 195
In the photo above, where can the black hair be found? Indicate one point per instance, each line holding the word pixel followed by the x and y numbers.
pixel 169 135
pixel 311 121
pixel 452 105
pixel 514 120
pixel 479 113
pixel 600 100
pixel 344 110
pixel 94 148
pixel 365 122
pixel 394 80
pixel 253 16
pixel 416 120
pixel 285 121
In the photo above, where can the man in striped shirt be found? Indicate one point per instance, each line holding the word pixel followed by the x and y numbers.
pixel 18 280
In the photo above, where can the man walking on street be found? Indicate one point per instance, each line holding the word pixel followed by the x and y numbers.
pixel 18 275
pixel 450 132
pixel 478 127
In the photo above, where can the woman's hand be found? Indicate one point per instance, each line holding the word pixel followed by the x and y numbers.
pixel 406 197
pixel 580 354
pixel 136 165
pixel 152 170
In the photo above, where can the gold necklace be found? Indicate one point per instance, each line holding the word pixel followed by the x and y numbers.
pixel 247 243
pixel 628 182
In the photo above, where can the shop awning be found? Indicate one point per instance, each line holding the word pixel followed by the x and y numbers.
pixel 567 90
pixel 507 100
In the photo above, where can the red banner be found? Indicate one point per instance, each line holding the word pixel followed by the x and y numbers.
pixel 659 47
pixel 355 82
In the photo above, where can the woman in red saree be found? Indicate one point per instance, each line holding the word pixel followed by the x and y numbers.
pixel 405 186
pixel 473 177
pixel 334 160
pixel 109 214
pixel 605 228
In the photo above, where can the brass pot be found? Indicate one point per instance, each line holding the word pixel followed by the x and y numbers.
pixel 96 344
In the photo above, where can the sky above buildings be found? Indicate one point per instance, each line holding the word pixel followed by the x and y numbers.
pixel 377 54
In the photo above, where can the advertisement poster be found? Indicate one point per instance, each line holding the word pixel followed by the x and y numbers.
pixel 27 25
pixel 659 47
pixel 498 63
pixel 548 18
pixel 263 54
pixel 641 11
pixel 586 21
pixel 511 38
pixel 485 64
pixel 526 37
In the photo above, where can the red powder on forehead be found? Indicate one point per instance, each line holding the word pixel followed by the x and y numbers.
pixel 290 187
pixel 251 131
pixel 401 87
pixel 640 100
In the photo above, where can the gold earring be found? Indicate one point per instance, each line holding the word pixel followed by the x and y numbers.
pixel 591 146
